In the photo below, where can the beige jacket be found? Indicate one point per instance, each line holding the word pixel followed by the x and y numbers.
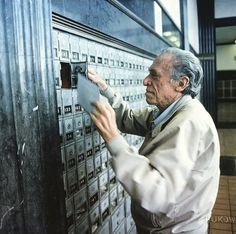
pixel 173 179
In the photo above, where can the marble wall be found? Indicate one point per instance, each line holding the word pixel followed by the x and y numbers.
pixel 107 18
pixel 143 9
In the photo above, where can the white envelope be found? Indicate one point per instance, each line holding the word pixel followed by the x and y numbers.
pixel 88 93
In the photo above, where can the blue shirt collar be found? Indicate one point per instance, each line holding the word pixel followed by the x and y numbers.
pixel 163 115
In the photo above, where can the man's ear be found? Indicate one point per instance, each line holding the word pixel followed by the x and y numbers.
pixel 182 83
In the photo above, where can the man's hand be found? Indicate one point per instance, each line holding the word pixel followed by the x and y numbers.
pixel 92 75
pixel 105 119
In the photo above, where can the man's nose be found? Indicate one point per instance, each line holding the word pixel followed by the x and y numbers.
pixel 146 81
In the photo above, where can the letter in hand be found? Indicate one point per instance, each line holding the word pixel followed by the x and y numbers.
pixel 92 75
pixel 104 118
pixel 88 92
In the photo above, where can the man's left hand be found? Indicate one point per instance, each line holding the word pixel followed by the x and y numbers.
pixel 104 118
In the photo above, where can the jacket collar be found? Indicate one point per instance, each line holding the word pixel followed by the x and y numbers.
pixel 170 114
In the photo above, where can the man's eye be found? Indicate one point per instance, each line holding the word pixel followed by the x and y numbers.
pixel 153 75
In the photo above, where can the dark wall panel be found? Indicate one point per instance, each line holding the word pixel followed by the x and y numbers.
pixel 207 54
pixel 31 186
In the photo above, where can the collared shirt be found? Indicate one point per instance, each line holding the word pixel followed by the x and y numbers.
pixel 158 118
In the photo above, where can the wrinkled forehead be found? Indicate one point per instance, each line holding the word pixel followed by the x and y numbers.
pixel 163 61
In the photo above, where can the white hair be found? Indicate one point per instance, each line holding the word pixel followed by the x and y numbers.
pixel 187 64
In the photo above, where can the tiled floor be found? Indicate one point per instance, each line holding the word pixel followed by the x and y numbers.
pixel 223 220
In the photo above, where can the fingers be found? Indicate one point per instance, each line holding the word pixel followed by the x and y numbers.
pixel 91 71
pixel 100 106
pixel 109 107
pixel 95 118
pixel 104 118
pixel 92 75
pixel 104 108
pixel 100 119
pixel 103 113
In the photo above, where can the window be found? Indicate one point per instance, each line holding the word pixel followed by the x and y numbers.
pixel 164 25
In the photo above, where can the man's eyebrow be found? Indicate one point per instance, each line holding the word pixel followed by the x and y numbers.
pixel 151 70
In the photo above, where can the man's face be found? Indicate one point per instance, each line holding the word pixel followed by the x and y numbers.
pixel 161 89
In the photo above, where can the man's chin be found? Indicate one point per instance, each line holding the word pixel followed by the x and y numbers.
pixel 149 102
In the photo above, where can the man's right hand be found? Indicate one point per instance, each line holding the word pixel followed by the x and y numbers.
pixel 92 75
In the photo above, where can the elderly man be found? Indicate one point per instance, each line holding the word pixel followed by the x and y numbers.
pixel 173 178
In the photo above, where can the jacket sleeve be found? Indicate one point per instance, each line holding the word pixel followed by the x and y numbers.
pixel 129 120
pixel 158 179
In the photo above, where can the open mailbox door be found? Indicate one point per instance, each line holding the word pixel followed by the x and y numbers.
pixel 88 92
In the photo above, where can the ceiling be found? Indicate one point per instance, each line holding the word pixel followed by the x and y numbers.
pixel 225 35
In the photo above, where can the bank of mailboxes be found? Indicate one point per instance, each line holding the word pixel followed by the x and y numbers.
pixel 95 200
